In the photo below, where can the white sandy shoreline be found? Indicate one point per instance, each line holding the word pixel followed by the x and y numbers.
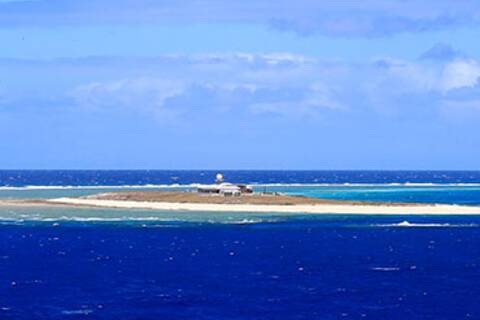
pixel 437 209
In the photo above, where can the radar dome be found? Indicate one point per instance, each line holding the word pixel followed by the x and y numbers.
pixel 219 178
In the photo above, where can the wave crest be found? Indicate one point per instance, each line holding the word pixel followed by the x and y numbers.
pixel 406 224
pixel 254 184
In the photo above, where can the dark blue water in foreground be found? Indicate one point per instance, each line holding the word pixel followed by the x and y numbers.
pixel 290 270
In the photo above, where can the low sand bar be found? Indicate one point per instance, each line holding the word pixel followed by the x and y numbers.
pixel 266 203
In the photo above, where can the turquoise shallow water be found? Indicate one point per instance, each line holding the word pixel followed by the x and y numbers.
pixel 18 214
pixel 449 194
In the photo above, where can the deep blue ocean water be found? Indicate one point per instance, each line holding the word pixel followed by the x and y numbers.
pixel 21 178
pixel 77 263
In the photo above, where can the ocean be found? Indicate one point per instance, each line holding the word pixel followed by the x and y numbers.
pixel 82 263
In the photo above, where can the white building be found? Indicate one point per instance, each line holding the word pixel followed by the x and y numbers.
pixel 224 188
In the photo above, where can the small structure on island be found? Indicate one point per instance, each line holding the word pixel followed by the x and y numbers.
pixel 224 188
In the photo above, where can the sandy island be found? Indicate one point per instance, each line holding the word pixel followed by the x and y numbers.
pixel 271 203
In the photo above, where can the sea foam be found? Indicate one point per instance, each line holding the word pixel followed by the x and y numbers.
pixel 406 224
pixel 259 185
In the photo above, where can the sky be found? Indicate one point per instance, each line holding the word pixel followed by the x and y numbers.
pixel 252 84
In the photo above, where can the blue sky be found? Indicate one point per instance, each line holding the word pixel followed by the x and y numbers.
pixel 242 85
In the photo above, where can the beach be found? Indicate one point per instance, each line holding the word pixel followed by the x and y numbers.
pixel 310 209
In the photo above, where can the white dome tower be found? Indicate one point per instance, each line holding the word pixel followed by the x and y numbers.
pixel 219 178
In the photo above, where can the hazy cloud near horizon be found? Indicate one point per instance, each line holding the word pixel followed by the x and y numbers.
pixel 347 18
pixel 288 85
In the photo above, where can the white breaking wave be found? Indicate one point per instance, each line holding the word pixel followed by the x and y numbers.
pixel 387 184
pixel 86 219
pixel 386 269
pixel 406 224
pixel 245 221
pixel 146 186
pixel 259 185
pixel 84 312
pixel 26 218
